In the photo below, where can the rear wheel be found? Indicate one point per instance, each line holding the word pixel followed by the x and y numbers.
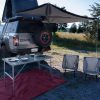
pixel 43 38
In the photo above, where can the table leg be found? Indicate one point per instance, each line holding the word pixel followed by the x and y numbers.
pixel 13 80
pixel 39 64
pixel 4 75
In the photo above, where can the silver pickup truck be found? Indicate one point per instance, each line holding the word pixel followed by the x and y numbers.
pixel 26 36
pixel 24 33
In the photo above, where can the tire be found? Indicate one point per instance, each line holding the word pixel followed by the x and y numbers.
pixel 43 38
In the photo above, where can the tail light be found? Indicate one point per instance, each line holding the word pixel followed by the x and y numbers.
pixel 16 40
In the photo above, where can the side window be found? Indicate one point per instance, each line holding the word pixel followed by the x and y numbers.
pixel 1 29
pixel 4 29
pixel 11 27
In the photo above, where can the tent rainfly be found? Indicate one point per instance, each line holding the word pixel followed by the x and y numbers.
pixel 53 14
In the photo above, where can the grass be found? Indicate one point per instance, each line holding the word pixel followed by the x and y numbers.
pixel 74 41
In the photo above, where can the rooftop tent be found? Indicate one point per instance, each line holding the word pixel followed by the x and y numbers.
pixel 13 6
pixel 54 14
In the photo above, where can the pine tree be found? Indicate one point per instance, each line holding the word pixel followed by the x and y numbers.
pixel 95 25
pixel 73 28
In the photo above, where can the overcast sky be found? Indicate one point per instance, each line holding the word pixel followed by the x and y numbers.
pixel 79 7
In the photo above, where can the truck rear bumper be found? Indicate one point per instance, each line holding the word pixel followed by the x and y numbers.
pixel 22 51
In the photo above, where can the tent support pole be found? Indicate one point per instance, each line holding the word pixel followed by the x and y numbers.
pixel 97 38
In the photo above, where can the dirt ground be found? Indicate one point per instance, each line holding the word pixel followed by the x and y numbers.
pixel 74 88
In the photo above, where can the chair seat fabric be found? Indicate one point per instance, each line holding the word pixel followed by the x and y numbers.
pixel 91 65
pixel 70 62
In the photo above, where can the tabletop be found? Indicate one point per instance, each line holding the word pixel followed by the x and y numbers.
pixel 19 60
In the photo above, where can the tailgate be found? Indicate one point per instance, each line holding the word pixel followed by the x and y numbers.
pixel 26 41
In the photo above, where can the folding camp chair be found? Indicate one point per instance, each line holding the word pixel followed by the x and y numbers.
pixel 91 66
pixel 70 62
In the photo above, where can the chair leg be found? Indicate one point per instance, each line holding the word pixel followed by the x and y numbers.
pixel 96 78
pixel 74 74
pixel 65 70
pixel 85 76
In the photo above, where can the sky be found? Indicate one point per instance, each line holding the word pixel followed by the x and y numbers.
pixel 79 7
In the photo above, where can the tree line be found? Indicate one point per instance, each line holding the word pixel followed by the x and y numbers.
pixel 80 28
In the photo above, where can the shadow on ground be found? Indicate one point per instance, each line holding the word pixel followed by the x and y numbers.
pixel 74 88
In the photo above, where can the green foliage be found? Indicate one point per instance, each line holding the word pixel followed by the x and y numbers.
pixel 95 10
pixel 62 27
pixel 73 28
pixel 80 29
pixel 83 27
pixel 94 25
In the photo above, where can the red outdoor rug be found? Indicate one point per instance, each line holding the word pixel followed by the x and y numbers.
pixel 29 85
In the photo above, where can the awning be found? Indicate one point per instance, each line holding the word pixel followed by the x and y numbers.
pixel 53 14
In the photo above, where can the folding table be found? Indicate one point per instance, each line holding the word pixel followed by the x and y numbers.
pixel 22 61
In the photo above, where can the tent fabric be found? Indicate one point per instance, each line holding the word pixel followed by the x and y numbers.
pixel 54 14
pixel 13 6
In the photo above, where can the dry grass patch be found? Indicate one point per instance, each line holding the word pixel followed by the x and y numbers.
pixel 67 35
